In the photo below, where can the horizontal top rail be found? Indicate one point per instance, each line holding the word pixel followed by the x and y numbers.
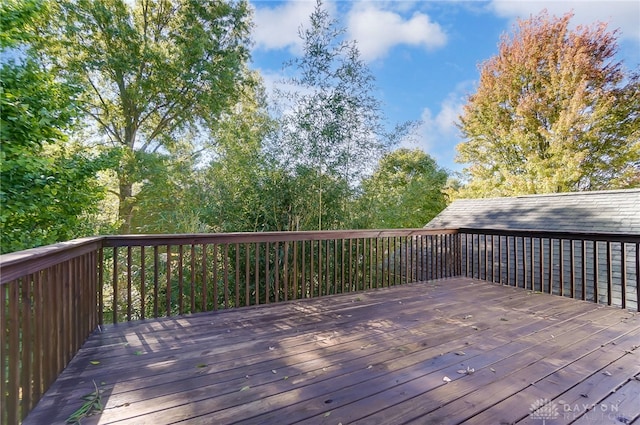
pixel 250 237
pixel 22 263
pixel 17 264
pixel 588 236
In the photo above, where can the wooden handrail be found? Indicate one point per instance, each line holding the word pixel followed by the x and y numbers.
pixel 252 237
pixel 22 263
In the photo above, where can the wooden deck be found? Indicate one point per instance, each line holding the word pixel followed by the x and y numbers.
pixel 380 357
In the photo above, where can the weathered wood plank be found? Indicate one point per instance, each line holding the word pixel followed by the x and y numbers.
pixel 552 387
pixel 621 407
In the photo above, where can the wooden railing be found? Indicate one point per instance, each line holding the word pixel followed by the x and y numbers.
pixel 599 267
pixel 48 300
pixel 159 275
pixel 52 298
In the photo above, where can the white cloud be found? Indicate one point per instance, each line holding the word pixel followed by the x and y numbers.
pixel 377 30
pixel 438 134
pixel 622 14
pixel 277 27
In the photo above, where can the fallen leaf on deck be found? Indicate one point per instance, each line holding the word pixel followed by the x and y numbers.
pixel 201 365
pixel 467 371
pixel 446 379
pixel 94 362
pixel 369 367
pixel 139 353
pixel 272 348
pixel 492 370
pixel 606 373
pixel 460 353
pixel 468 316
pixel 274 371
pixel 327 414
pixel 245 388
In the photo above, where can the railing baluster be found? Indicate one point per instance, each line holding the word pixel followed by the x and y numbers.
pixel 595 271
pixel 247 297
pixel 39 336
pixel 266 273
pixel 128 283
pixel 204 277
pixel 4 353
pixel 168 281
pixel 26 342
pixel 226 275
pixel 312 286
pixel 286 269
pixel 13 389
pixel 114 307
pixel 156 280
pixel 572 264
pixel 214 282
pixel 276 271
pixel 342 270
pixel 180 279
pixel 143 289
pixel 100 286
pixel 328 274
pixel 623 275
pixel 192 275
pixel 637 276
pixel 256 280
pixel 561 268
pixel 486 256
pixel 550 265
pixel 584 269
pixel 237 283
pixel 303 279
pixel 609 274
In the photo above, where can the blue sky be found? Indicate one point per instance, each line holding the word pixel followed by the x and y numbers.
pixel 425 54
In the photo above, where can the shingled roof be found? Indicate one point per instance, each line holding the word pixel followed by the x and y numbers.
pixel 601 211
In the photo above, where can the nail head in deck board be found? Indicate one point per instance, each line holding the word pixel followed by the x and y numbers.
pixel 300 331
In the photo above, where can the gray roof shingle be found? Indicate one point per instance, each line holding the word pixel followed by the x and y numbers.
pixel 601 211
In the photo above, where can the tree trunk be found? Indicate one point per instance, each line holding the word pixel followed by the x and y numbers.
pixel 125 206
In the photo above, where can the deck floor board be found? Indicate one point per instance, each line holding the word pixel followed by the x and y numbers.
pixel 375 357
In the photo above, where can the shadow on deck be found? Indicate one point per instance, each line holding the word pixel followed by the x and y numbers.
pixel 444 352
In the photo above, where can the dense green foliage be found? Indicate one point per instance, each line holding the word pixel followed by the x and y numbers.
pixel 406 190
pixel 157 76
pixel 553 112
pixel 48 185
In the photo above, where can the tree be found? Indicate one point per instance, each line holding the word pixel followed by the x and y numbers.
pixel 241 179
pixel 406 190
pixel 48 185
pixel 332 125
pixel 553 112
pixel 157 74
